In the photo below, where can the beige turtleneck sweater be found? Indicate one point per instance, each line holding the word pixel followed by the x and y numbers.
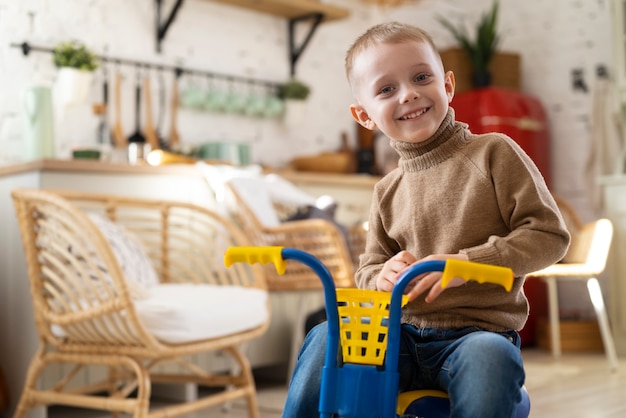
pixel 479 195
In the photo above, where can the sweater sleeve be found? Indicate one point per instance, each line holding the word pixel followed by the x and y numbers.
pixel 538 236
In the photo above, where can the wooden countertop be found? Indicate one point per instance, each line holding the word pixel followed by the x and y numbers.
pixel 87 166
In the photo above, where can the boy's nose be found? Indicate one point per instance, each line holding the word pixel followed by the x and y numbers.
pixel 409 94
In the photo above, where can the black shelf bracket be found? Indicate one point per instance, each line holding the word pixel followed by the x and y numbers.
pixel 296 51
pixel 161 28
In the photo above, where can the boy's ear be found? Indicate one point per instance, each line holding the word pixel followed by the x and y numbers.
pixel 360 115
pixel 449 85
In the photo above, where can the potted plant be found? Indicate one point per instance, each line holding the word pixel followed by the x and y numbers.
pixel 482 48
pixel 294 90
pixel 294 93
pixel 76 64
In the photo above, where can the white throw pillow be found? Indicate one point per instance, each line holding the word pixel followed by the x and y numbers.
pixel 135 263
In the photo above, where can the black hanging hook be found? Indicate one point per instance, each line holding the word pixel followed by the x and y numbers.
pixel 25 48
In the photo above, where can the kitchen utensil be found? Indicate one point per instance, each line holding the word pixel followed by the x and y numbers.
pixel 138 152
pixel 137 136
pixel 274 107
pixel 255 106
pixel 102 111
pixel 215 97
pixel 119 139
pixel 162 109
pixel 149 131
pixel 192 95
pixel 215 100
pixel 174 137
pixel 235 102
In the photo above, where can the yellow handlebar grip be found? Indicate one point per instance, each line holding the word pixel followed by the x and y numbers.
pixel 482 273
pixel 253 255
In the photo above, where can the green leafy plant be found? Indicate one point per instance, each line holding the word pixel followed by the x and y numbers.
pixel 485 43
pixel 295 90
pixel 75 55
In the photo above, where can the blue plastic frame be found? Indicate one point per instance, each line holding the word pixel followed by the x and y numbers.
pixel 360 391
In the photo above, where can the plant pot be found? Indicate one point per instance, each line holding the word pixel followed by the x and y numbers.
pixel 505 69
pixel 294 112
pixel 481 79
pixel 72 86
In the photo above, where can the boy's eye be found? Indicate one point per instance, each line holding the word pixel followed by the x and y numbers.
pixel 385 90
pixel 422 77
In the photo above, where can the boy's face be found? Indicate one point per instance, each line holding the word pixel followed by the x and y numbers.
pixel 401 88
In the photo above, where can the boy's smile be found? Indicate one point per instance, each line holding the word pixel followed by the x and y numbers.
pixel 414 114
pixel 401 88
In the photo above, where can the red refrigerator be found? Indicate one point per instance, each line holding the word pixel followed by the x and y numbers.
pixel 523 118
pixel 516 114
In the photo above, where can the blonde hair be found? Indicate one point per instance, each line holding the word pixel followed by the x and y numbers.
pixel 391 32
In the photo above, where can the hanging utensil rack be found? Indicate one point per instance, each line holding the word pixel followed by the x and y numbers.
pixel 178 70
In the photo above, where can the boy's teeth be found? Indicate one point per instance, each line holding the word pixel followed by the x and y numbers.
pixel 413 115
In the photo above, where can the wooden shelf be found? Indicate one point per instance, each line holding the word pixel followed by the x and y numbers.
pixel 290 9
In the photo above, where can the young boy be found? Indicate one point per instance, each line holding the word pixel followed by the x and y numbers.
pixel 454 195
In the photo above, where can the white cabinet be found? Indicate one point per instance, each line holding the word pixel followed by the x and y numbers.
pixel 614 195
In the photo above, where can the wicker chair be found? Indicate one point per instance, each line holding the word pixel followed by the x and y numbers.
pixel 87 309
pixel 319 237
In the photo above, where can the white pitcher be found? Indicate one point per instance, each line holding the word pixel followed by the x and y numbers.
pixel 38 123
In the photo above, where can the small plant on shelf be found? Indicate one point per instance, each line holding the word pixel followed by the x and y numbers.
pixel 294 90
pixel 76 65
pixel 74 54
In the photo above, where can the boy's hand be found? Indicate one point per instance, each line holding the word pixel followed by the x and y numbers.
pixel 392 268
pixel 432 280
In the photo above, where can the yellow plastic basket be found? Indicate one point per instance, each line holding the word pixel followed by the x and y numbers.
pixel 363 319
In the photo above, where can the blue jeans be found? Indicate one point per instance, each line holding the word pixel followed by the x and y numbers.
pixel 482 371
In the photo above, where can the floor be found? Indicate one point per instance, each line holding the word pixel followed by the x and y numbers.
pixel 576 386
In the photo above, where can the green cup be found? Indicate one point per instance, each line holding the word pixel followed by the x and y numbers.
pixel 232 152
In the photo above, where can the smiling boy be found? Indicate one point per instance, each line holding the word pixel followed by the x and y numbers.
pixel 454 195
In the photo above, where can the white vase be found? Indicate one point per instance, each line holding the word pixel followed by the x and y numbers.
pixel 72 86
pixel 38 123
pixel 294 112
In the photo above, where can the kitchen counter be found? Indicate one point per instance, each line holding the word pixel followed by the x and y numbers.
pixel 88 166
pixel 185 182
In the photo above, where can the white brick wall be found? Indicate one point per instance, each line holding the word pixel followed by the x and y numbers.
pixel 553 37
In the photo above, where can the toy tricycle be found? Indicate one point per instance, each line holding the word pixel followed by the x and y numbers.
pixel 365 324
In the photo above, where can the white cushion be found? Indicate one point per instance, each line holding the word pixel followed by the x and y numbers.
pixel 284 191
pixel 218 175
pixel 258 190
pixel 256 196
pixel 178 313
